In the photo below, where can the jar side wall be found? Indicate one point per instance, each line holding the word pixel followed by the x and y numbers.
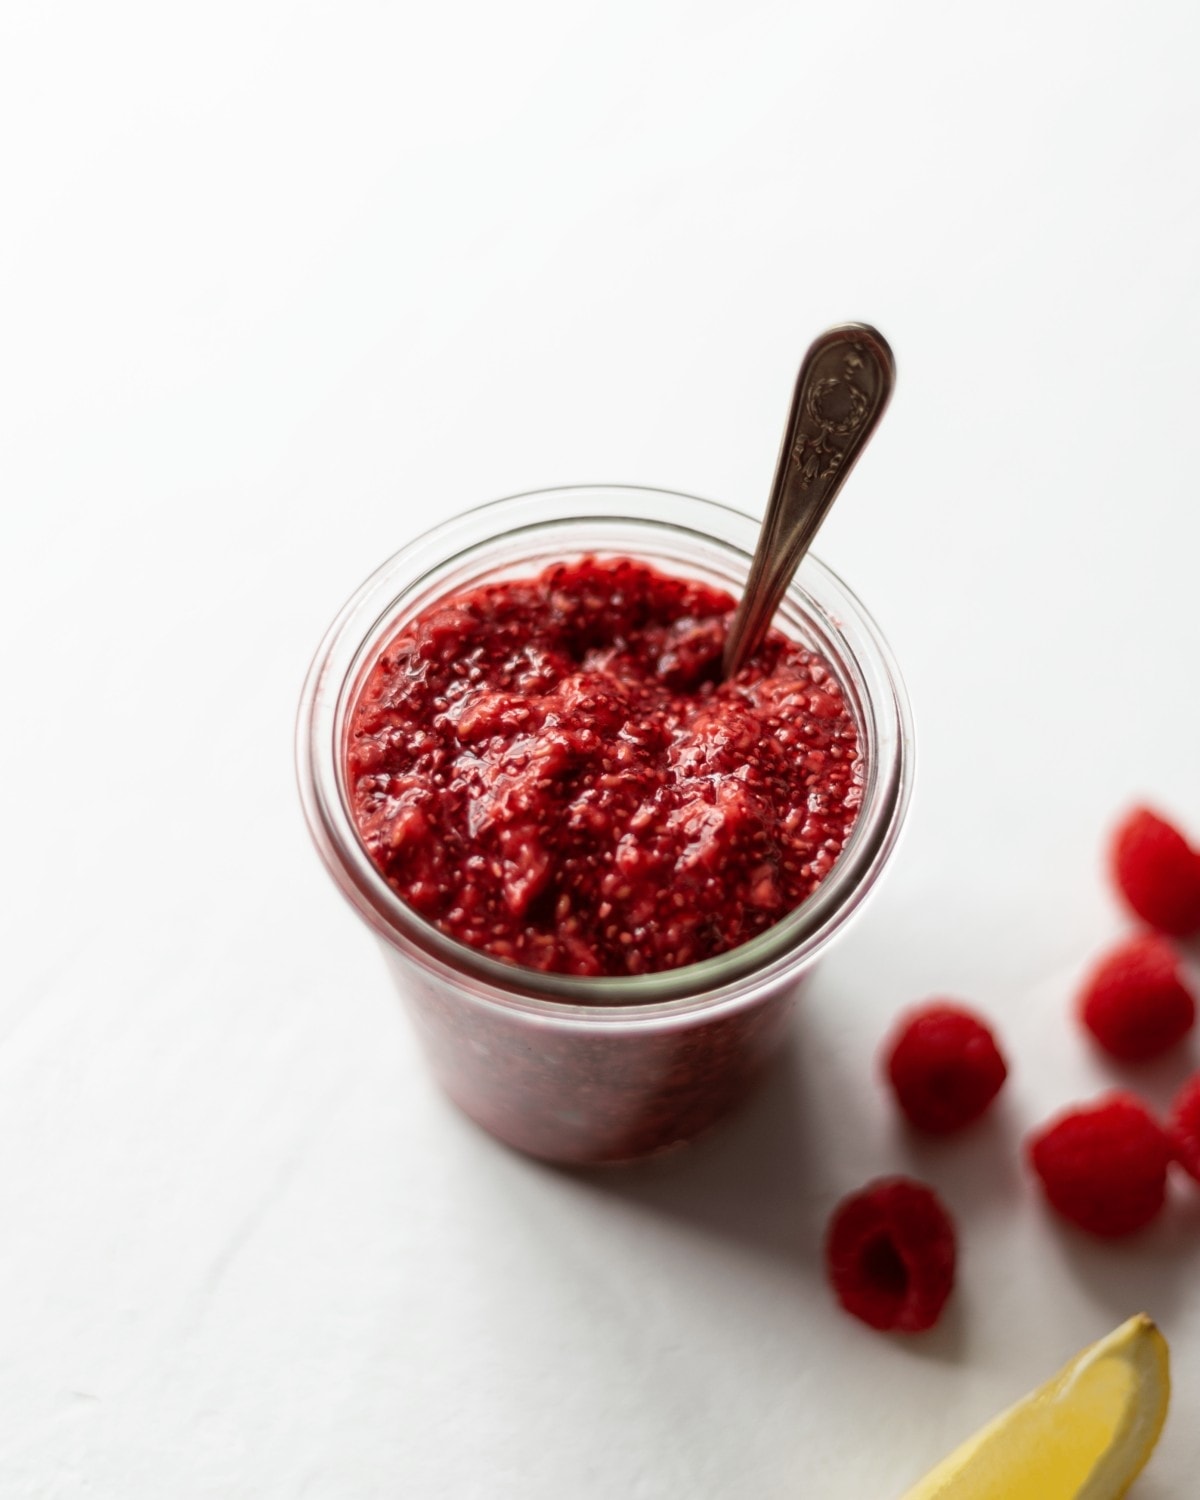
pixel 591 1095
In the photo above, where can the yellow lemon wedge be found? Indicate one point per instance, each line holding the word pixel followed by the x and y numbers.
pixel 1084 1435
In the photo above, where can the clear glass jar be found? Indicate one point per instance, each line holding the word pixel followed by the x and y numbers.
pixel 590 1070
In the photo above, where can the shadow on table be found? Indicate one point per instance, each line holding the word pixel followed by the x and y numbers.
pixel 756 1181
pixel 749 1178
pixel 1155 1271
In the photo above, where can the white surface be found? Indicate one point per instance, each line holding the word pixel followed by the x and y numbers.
pixel 284 283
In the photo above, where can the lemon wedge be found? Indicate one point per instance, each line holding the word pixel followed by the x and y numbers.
pixel 1084 1435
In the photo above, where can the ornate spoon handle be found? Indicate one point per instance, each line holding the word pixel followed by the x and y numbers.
pixel 843 388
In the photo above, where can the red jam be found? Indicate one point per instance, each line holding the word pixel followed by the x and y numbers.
pixel 550 771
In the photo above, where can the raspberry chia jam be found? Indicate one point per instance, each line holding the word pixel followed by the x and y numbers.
pixel 549 769
pixel 597 871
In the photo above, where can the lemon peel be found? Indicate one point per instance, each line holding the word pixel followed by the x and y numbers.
pixel 1084 1435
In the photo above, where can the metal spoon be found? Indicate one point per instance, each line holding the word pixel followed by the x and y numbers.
pixel 843 389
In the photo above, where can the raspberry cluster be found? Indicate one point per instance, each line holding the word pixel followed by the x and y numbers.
pixel 1135 1002
pixel 1103 1165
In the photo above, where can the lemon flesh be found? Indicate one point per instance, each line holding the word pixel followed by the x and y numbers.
pixel 1084 1435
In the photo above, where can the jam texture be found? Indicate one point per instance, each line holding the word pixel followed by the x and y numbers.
pixel 550 770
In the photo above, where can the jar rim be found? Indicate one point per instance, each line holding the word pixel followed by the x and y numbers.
pixel 817 595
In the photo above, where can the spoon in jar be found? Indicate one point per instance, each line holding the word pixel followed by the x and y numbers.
pixel 843 389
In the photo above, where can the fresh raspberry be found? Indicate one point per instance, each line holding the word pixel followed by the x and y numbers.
pixel 945 1067
pixel 890 1255
pixel 1158 873
pixel 1104 1165
pixel 1183 1126
pixel 1134 1002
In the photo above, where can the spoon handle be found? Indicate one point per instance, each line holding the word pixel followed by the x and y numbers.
pixel 842 390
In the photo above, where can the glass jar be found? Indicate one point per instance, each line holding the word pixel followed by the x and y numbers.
pixel 589 1070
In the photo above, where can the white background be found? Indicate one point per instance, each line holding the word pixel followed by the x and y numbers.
pixel 281 285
